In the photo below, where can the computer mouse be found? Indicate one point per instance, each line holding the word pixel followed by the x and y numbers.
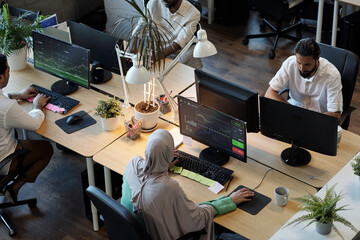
pixel 73 119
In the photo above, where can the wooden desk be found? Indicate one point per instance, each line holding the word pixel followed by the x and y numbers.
pixel 270 219
pixel 87 141
pixel 321 168
pixel 335 18
pixel 179 78
pixel 349 184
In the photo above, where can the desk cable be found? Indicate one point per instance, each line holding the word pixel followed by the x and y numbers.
pixel 262 179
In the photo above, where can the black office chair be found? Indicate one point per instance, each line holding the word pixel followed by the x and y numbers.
pixel 348 65
pixel 121 222
pixel 6 179
pixel 280 11
pixel 14 11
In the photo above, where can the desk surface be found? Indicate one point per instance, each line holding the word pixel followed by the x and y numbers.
pixel 179 78
pixel 349 184
pixel 270 219
pixel 321 168
pixel 87 141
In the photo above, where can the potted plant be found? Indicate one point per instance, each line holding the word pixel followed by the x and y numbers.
pixel 323 212
pixel 146 40
pixel 109 110
pixel 356 166
pixel 15 35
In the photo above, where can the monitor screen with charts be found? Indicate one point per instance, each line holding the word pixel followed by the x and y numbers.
pixel 229 98
pixel 224 134
pixel 300 127
pixel 64 60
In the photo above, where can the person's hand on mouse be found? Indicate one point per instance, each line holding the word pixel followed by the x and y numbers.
pixel 241 195
pixel 40 101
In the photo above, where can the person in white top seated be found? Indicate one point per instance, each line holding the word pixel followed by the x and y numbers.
pixel 181 18
pixel 13 116
pixel 313 82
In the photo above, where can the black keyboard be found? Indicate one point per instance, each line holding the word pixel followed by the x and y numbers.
pixel 204 168
pixel 58 99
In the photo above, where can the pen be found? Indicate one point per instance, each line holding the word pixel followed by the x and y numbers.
pixel 231 178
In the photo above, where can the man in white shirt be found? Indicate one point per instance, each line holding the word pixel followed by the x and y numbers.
pixel 13 116
pixel 313 82
pixel 181 18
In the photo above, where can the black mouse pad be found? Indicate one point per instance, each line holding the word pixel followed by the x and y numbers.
pixel 258 202
pixel 86 121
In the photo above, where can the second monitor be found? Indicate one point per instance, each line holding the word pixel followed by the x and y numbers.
pixel 229 98
pixel 102 50
pixel 300 127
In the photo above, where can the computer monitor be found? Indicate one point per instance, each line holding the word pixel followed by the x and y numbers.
pixel 102 50
pixel 64 60
pixel 224 134
pixel 229 98
pixel 300 127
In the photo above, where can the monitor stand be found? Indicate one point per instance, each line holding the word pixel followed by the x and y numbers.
pixel 64 87
pixel 215 156
pixel 98 74
pixel 295 156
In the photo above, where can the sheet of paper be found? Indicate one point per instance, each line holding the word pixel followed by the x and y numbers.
pixel 178 138
pixel 187 140
pixel 216 188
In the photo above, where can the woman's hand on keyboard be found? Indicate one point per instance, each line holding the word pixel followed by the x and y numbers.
pixel 175 160
pixel 242 195
pixel 40 101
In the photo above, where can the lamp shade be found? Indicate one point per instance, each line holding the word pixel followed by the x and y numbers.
pixel 137 74
pixel 203 47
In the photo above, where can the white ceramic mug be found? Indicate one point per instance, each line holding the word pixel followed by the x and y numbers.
pixel 281 196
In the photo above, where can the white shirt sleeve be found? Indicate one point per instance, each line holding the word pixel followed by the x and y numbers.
pixel 334 95
pixel 16 117
pixel 281 79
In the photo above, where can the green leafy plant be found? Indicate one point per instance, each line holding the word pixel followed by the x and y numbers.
pixel 15 32
pixel 108 108
pixel 322 210
pixel 356 165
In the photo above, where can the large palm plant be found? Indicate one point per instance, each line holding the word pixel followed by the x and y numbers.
pixel 145 37
pixel 15 32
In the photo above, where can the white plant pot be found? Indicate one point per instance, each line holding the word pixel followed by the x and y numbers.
pixel 17 60
pixel 110 124
pixel 149 120
pixel 323 228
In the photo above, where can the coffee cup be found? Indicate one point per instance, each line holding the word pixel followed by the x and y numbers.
pixel 281 196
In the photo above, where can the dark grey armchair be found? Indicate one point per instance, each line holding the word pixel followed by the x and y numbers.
pixel 348 65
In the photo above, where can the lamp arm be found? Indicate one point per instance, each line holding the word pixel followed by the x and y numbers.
pixel 177 58
pixel 173 104
pixel 124 85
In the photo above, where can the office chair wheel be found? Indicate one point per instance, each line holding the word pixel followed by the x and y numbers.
pixel 12 233
pixel 271 55
pixel 32 204
pixel 245 41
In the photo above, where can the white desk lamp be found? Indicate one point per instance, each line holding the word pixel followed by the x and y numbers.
pixel 139 75
pixel 203 48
